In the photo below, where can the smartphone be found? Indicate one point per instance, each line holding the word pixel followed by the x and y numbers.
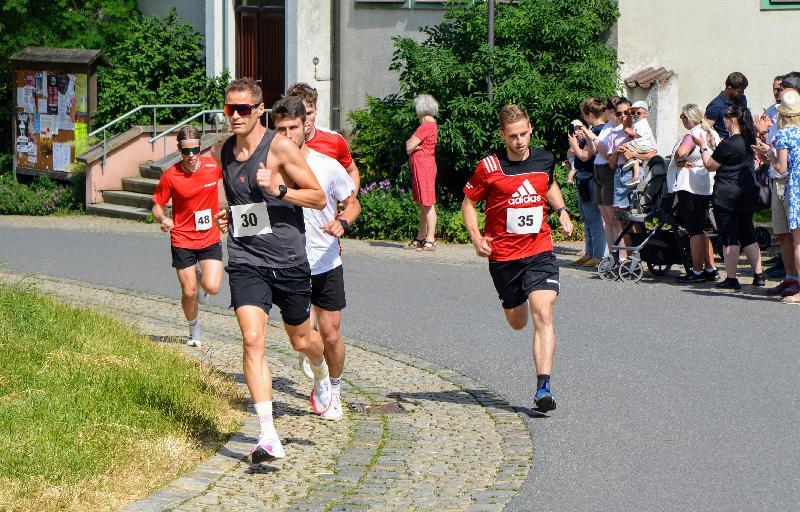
pixel 571 129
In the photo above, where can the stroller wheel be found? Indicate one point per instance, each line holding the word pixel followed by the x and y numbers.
pixel 607 269
pixel 763 237
pixel 658 269
pixel 631 272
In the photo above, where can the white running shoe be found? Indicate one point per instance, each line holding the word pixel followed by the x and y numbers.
pixel 321 395
pixel 192 342
pixel 305 365
pixel 334 412
pixel 267 449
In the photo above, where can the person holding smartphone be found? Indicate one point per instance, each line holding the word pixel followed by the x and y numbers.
pixel 192 185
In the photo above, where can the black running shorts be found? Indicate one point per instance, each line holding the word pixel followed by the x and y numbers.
pixel 287 288
pixel 327 290
pixel 514 280
pixel 183 258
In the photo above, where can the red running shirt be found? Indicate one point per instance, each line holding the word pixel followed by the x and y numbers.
pixel 331 144
pixel 195 201
pixel 516 203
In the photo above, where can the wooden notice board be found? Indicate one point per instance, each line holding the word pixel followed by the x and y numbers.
pixel 51 118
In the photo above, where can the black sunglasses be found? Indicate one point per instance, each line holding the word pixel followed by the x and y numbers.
pixel 190 151
pixel 242 109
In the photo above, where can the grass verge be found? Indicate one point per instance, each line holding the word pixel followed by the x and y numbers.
pixel 94 415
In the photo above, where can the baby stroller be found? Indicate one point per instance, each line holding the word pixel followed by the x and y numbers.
pixel 655 236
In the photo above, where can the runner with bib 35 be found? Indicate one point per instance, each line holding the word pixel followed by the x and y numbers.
pixel 517 183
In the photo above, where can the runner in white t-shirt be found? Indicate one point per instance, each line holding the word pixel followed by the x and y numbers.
pixel 323 229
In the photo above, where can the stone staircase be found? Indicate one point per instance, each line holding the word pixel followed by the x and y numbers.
pixel 135 201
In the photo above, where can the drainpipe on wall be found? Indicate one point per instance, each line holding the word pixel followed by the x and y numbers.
pixel 336 108
pixel 224 36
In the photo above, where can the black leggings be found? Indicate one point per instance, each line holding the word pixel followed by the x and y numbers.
pixel 735 228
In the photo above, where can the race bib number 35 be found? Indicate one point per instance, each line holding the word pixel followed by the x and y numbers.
pixel 250 220
pixel 524 221
pixel 202 220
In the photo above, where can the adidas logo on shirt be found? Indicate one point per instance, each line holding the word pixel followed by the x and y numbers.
pixel 525 194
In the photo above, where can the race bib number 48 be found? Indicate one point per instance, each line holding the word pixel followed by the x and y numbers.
pixel 202 220
pixel 524 221
pixel 250 220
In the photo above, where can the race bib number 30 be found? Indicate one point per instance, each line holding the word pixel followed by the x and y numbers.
pixel 202 220
pixel 524 221
pixel 250 220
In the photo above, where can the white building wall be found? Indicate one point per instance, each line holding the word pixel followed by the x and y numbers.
pixel 703 42
pixel 366 49
pixel 308 35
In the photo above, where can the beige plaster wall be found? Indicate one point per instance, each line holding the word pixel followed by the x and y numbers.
pixel 704 41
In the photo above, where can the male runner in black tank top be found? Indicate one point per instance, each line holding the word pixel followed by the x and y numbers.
pixel 267 183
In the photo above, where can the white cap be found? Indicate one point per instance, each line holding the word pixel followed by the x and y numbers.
pixel 640 104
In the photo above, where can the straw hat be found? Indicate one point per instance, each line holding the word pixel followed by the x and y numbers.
pixel 790 104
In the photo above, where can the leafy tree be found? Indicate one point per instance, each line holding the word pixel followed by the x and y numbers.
pixel 55 23
pixel 549 55
pixel 159 60
pixel 154 60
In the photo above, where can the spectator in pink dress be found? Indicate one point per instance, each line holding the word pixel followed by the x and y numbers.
pixel 421 149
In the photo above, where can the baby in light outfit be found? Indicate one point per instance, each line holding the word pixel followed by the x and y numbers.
pixel 643 143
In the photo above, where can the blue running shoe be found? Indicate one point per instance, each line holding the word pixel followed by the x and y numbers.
pixel 544 400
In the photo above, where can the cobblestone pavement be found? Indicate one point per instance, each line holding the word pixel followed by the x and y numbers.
pixel 455 446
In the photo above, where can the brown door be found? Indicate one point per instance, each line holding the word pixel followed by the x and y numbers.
pixel 261 45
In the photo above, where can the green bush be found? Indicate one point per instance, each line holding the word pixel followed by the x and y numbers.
pixel 157 60
pixel 390 213
pixel 549 56
pixel 42 196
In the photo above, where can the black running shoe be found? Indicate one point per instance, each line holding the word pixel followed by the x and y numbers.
pixel 730 283
pixel 690 278
pixel 711 276
pixel 758 279
pixel 544 399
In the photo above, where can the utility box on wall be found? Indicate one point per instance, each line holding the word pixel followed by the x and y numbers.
pixel 55 97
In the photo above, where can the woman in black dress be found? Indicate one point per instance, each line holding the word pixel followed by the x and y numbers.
pixel 735 193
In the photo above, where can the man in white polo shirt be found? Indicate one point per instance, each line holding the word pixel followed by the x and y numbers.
pixel 323 229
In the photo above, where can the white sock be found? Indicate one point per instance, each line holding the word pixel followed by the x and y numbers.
pixel 321 371
pixel 194 330
pixel 264 413
pixel 336 385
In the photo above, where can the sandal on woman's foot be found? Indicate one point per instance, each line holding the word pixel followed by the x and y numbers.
pixel 415 244
pixel 427 245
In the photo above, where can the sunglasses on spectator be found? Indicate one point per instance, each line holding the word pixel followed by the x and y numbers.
pixel 243 109
pixel 621 112
pixel 636 113
pixel 190 151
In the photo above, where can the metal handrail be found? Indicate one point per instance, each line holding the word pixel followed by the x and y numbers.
pixel 106 126
pixel 187 121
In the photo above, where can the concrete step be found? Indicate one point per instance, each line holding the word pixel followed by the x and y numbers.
pixel 117 211
pixel 149 171
pixel 140 185
pixel 125 198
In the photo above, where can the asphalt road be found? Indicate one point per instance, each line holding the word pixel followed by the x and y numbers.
pixel 669 398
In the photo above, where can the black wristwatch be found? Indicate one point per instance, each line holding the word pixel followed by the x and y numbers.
pixel 281 191
pixel 344 224
pixel 563 208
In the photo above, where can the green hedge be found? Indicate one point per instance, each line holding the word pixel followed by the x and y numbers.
pixel 389 213
pixel 42 196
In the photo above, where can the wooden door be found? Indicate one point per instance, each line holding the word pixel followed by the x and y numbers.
pixel 261 48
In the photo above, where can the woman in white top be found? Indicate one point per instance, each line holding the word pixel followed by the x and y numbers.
pixel 693 183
